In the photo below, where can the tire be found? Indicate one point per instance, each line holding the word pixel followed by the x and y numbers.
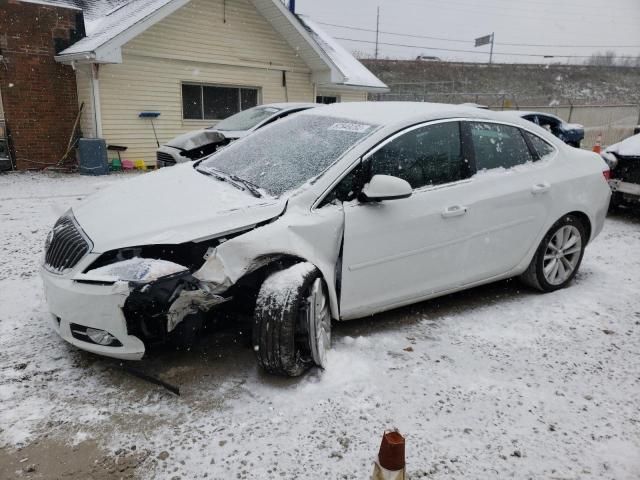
pixel 552 251
pixel 283 330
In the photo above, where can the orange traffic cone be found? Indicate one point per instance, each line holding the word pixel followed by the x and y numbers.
pixel 598 147
pixel 391 460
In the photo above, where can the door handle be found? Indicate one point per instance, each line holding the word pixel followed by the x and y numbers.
pixel 542 187
pixel 454 211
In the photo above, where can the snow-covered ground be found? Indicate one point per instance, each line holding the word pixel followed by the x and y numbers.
pixel 496 382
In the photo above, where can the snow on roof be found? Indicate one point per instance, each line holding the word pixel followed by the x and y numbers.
pixel 627 148
pixel 114 22
pixel 91 8
pixel 355 73
pixel 390 113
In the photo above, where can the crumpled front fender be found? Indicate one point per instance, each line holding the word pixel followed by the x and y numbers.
pixel 314 236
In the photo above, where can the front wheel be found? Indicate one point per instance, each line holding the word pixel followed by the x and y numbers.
pixel 558 257
pixel 292 321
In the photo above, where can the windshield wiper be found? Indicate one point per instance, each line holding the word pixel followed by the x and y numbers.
pixel 252 187
pixel 237 182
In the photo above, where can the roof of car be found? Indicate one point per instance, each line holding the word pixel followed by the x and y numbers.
pixel 290 105
pixel 390 113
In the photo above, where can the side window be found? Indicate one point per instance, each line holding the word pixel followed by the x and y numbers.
pixel 498 146
pixel 541 147
pixel 430 155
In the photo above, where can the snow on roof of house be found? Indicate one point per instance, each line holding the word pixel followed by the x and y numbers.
pixel 120 19
pixel 112 23
pixel 91 8
pixel 355 73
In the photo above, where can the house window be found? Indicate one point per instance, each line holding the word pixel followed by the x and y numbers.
pixel 326 100
pixel 210 102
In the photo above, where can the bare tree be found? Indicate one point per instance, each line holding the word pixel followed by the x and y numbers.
pixel 607 59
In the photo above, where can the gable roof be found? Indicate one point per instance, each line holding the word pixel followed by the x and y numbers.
pixel 112 23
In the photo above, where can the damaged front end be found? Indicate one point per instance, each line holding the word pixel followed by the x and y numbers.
pixel 162 293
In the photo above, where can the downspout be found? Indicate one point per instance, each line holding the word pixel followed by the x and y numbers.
pixel 95 90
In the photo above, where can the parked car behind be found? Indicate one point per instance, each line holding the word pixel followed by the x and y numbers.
pixel 570 133
pixel 624 160
pixel 334 213
pixel 200 143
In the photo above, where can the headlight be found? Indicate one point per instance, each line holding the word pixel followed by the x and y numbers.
pixel 610 158
pixel 135 270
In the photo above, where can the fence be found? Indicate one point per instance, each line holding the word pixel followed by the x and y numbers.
pixel 613 122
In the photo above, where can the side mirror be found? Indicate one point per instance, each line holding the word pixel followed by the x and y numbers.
pixel 385 187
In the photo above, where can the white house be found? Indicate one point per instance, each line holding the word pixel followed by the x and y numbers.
pixel 198 61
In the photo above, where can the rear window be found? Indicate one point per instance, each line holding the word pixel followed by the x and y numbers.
pixel 541 147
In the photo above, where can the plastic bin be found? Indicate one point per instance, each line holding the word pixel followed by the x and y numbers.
pixel 93 156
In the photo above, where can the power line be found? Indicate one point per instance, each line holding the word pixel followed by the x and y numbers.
pixel 409 35
pixel 511 13
pixel 515 54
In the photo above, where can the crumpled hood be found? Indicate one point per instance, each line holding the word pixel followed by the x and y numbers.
pixel 170 206
pixel 196 139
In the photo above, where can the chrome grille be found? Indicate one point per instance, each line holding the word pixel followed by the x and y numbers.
pixel 67 246
pixel 164 160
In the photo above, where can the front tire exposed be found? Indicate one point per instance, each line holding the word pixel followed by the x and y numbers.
pixel 558 257
pixel 292 321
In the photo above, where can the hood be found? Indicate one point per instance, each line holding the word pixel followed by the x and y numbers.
pixel 170 206
pixel 627 148
pixel 196 139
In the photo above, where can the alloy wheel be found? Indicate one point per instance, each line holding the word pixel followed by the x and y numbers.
pixel 319 322
pixel 562 255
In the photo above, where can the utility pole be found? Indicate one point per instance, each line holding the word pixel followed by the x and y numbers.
pixel 377 32
pixel 493 37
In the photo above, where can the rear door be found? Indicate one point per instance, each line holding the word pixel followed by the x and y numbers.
pixel 510 200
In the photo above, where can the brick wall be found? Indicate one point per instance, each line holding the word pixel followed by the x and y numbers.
pixel 39 95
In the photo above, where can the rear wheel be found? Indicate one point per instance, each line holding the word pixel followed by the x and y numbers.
pixel 558 257
pixel 292 321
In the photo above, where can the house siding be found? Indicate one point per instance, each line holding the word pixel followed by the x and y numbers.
pixel 344 95
pixel 194 44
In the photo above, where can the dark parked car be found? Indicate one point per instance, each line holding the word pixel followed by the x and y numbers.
pixel 570 133
pixel 624 161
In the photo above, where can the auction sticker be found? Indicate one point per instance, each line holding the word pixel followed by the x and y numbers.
pixel 350 127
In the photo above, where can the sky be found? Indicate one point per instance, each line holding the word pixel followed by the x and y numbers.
pixel 572 27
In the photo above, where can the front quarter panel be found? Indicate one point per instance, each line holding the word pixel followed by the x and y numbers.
pixel 314 236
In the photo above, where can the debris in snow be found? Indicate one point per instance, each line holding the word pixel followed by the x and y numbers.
pixel 163 455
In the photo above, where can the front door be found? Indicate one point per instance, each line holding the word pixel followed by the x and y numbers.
pixel 399 250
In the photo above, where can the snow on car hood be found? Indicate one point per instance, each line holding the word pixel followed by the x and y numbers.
pixel 170 206
pixel 627 148
pixel 196 139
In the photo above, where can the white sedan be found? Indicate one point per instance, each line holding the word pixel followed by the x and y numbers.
pixel 336 213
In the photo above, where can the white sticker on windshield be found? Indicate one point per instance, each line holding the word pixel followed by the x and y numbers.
pixel 349 127
pixel 271 110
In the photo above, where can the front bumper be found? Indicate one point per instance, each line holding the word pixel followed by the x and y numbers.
pixel 91 305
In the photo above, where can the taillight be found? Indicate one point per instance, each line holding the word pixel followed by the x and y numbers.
pixel 607 174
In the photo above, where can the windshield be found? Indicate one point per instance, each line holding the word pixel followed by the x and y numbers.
pixel 288 153
pixel 246 119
